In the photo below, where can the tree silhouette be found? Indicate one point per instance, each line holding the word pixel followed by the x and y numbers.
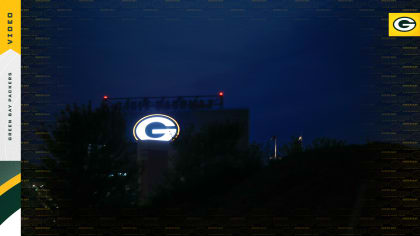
pixel 208 163
pixel 322 143
pixel 91 162
pixel 295 146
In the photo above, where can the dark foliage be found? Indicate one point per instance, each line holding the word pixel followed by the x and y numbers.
pixel 293 147
pixel 325 143
pixel 321 179
pixel 208 164
pixel 91 162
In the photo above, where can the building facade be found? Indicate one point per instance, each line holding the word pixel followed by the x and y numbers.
pixel 149 127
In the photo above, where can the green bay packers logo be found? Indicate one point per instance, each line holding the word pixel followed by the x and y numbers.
pixel 404 24
pixel 156 127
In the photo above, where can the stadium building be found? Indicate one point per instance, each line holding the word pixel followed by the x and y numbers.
pixel 154 122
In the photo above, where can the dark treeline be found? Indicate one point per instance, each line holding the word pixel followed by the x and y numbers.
pixel 93 164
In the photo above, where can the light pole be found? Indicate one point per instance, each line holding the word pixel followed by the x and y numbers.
pixel 275 148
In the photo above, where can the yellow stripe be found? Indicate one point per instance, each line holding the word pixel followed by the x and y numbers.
pixel 10 24
pixel 10 184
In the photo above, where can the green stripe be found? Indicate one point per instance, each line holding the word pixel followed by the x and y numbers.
pixel 8 170
pixel 9 203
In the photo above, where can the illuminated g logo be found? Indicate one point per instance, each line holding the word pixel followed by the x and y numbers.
pixel 156 127
pixel 404 24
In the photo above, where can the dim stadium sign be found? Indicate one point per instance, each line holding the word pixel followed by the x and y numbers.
pixel 156 127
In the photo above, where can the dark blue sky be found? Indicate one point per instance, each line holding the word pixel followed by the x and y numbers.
pixel 296 76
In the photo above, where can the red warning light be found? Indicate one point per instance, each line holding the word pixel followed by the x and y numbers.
pixel 105 97
pixel 221 94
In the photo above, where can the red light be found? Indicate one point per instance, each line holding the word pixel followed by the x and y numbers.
pixel 221 94
pixel 105 97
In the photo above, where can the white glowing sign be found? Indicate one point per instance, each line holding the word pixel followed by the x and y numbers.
pixel 156 127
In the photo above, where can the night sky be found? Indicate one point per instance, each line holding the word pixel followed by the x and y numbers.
pixel 297 77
